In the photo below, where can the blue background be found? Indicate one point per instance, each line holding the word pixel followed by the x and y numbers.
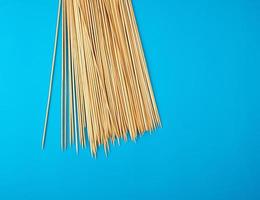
pixel 204 62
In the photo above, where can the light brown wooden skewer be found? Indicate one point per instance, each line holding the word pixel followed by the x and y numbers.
pixel 51 76
pixel 108 82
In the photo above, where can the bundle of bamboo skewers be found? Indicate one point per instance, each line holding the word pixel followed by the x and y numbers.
pixel 106 91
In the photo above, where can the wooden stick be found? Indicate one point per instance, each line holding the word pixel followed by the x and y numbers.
pixel 51 76
pixel 62 80
pixel 108 84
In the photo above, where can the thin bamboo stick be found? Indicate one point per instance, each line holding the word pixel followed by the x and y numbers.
pixel 105 75
pixel 52 74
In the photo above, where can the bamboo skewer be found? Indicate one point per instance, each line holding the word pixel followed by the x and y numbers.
pixel 63 67
pixel 51 76
pixel 104 75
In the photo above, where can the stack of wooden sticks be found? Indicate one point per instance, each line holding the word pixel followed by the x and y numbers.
pixel 106 90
